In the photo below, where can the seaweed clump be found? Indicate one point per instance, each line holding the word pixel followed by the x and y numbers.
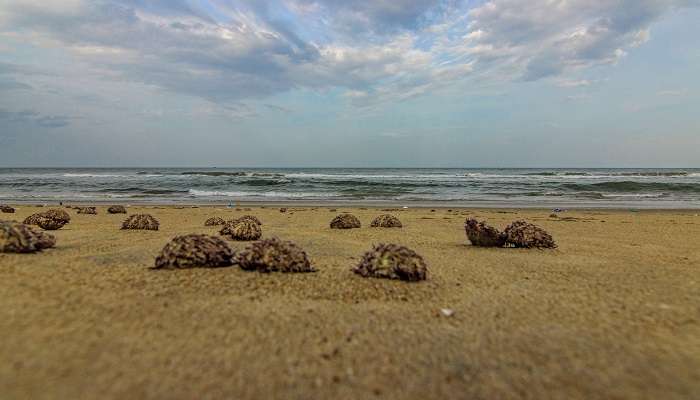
pixel 20 238
pixel 523 234
pixel 345 221
pixel 192 251
pixel 33 219
pixel 392 261
pixel 116 209
pixel 56 214
pixel 50 224
pixel 273 254
pixel 7 209
pixel 87 210
pixel 242 230
pixel 214 221
pixel 246 217
pixel 141 221
pixel 482 235
pixel 386 221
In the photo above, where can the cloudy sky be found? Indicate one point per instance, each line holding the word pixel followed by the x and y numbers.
pixel 350 83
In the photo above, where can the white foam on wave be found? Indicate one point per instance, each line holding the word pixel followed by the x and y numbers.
pixel 285 195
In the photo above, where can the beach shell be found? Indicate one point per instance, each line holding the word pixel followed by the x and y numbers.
pixel 33 219
pixel 242 230
pixel 482 235
pixel 116 209
pixel 251 218
pixel 273 254
pixel 392 261
pixel 56 214
pixel 386 221
pixel 141 221
pixel 213 221
pixel 20 238
pixel 87 210
pixel 192 251
pixel 7 209
pixel 50 224
pixel 345 221
pixel 526 235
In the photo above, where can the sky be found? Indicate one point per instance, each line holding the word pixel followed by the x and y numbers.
pixel 349 83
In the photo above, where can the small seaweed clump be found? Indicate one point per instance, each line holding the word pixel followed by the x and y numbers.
pixel 274 255
pixel 33 219
pixel 7 209
pixel 20 238
pixel 242 230
pixel 246 217
pixel 386 221
pixel 345 221
pixel 50 224
pixel 87 210
pixel 526 235
pixel 392 261
pixel 117 209
pixel 141 221
pixel 214 221
pixel 59 215
pixel 192 251
pixel 483 235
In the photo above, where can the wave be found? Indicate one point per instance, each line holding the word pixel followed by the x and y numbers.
pixel 213 173
pixel 283 195
pixel 633 186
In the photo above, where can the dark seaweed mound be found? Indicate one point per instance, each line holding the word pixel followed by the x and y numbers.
pixel 392 261
pixel 193 251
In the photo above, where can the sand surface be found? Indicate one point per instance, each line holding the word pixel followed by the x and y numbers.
pixel 614 313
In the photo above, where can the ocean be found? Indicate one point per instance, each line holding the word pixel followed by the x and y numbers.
pixel 559 188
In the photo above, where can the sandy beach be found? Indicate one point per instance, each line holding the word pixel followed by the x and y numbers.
pixel 613 313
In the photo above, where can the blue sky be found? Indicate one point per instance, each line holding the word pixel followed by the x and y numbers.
pixel 385 83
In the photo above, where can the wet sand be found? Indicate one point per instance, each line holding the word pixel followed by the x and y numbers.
pixel 613 313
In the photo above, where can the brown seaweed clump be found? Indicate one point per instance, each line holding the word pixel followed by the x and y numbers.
pixel 246 217
pixel 392 261
pixel 244 230
pixel 87 210
pixel 345 221
pixel 50 224
pixel 386 221
pixel 116 209
pixel 273 254
pixel 7 209
pixel 214 221
pixel 33 219
pixel 482 235
pixel 141 221
pixel 20 238
pixel 526 235
pixel 192 251
pixel 57 214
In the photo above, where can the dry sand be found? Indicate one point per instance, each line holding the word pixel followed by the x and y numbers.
pixel 614 313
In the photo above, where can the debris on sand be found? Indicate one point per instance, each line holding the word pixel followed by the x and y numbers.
pixel 523 234
pixel 116 209
pixel 192 251
pixel 392 261
pixel 87 210
pixel 7 209
pixel 251 218
pixel 50 224
pixel 386 221
pixel 283 210
pixel 214 221
pixel 482 235
pixel 33 219
pixel 345 221
pixel 20 238
pixel 57 214
pixel 243 230
pixel 273 254
pixel 141 221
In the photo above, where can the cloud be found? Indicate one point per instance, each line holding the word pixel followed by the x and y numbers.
pixel 28 117
pixel 375 51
